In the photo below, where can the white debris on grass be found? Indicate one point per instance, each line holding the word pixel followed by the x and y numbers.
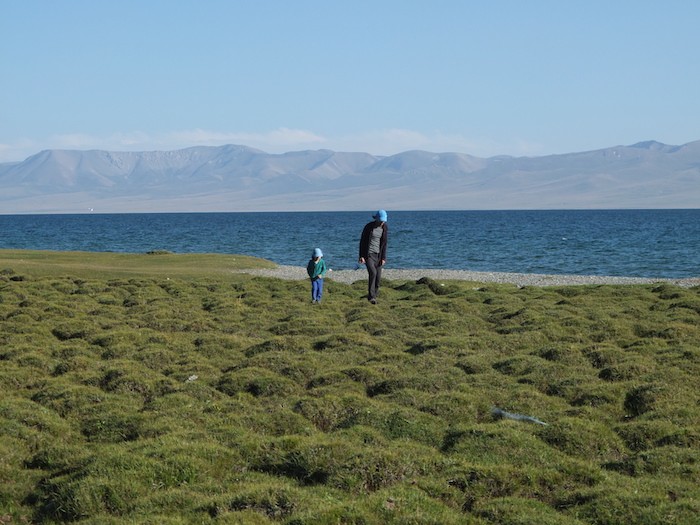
pixel 499 414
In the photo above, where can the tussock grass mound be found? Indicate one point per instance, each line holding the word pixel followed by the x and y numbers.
pixel 145 398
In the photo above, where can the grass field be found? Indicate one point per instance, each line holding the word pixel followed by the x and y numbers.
pixel 158 264
pixel 163 388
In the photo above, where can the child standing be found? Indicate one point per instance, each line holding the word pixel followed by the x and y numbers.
pixel 316 270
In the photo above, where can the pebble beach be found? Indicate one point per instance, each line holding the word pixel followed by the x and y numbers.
pixel 518 279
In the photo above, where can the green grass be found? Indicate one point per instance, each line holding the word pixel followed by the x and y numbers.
pixel 163 388
pixel 107 265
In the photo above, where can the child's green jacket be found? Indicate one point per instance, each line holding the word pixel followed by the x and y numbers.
pixel 316 270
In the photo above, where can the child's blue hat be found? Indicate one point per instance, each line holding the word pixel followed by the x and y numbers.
pixel 380 215
pixel 318 252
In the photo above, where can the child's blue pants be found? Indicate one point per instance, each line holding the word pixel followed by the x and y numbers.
pixel 316 289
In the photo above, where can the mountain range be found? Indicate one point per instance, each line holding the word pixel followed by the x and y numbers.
pixel 238 178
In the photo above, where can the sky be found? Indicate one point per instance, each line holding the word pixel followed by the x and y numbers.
pixel 485 78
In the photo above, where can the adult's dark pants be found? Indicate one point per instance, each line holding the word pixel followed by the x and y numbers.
pixel 374 269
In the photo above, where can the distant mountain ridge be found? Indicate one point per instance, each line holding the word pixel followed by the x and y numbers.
pixel 238 178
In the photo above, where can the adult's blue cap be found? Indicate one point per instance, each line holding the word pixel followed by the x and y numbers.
pixel 318 252
pixel 380 216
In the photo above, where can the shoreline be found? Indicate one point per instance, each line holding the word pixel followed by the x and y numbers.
pixel 298 273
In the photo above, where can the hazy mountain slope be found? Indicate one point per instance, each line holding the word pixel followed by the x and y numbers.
pixel 238 178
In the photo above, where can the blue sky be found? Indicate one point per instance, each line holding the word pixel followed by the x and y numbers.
pixel 479 77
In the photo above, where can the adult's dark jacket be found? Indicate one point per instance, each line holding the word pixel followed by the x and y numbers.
pixel 365 237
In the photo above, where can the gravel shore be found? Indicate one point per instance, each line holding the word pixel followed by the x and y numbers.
pixel 518 279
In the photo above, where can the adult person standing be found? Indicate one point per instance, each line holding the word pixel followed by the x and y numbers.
pixel 373 242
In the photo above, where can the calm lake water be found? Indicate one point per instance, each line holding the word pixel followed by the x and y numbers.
pixel 638 243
